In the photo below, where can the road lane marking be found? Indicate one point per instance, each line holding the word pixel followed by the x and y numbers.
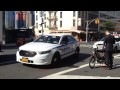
pixel 58 74
pixel 80 77
pixel 117 56
pixel 65 71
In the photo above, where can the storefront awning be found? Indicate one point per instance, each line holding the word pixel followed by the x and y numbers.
pixel 78 31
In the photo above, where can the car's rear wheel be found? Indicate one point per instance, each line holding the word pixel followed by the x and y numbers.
pixel 115 49
pixel 77 52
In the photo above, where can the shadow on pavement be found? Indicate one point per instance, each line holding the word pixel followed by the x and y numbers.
pixel 7 59
pixel 67 62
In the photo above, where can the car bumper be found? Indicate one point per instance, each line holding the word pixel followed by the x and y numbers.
pixel 98 48
pixel 38 59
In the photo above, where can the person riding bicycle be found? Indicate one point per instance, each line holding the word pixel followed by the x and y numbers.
pixel 108 43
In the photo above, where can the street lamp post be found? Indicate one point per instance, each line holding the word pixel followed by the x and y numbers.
pixel 87 28
pixel 87 31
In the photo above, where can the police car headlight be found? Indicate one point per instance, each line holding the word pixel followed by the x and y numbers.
pixel 44 52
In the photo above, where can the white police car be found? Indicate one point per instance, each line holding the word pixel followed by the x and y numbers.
pixel 48 49
pixel 99 44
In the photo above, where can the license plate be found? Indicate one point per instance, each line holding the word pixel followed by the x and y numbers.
pixel 24 59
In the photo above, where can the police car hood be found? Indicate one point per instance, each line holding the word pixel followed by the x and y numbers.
pixel 99 42
pixel 38 46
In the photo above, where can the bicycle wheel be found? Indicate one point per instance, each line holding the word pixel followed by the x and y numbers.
pixel 92 62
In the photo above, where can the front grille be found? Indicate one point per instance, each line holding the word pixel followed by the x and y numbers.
pixel 100 44
pixel 27 53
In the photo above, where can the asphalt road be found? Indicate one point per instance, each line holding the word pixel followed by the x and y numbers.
pixel 10 69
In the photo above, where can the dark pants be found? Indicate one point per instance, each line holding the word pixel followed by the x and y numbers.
pixel 109 58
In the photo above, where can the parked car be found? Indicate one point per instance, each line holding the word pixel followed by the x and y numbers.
pixel 48 49
pixel 99 44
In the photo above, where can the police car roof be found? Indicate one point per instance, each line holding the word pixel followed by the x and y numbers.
pixel 56 35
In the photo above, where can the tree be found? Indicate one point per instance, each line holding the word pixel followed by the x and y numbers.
pixel 109 26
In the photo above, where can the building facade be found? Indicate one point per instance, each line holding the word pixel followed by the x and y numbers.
pixel 64 20
pixel 112 16
pixel 9 19
pixel 19 19
pixel 74 21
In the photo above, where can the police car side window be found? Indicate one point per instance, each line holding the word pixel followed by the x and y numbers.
pixel 71 39
pixel 64 40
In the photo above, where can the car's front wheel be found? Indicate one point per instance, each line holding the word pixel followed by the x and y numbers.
pixel 55 59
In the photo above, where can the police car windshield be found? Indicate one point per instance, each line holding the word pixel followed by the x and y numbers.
pixel 102 39
pixel 48 39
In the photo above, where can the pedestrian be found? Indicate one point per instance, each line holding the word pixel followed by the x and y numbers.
pixel 108 43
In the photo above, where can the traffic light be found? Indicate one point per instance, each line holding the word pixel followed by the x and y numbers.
pixel 97 21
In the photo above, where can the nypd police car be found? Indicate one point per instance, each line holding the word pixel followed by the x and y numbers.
pixel 48 49
pixel 99 44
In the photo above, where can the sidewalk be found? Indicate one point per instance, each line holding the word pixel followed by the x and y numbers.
pixel 9 46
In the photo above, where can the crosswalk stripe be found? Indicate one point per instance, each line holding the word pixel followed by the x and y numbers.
pixel 80 77
pixel 65 71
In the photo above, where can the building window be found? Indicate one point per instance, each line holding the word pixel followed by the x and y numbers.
pixel 36 25
pixel 73 23
pixel 73 13
pixel 36 17
pixel 78 14
pixel 39 31
pixel 45 24
pixel 60 14
pixel 55 13
pixel 55 23
pixel 36 11
pixel 45 16
pixel 60 23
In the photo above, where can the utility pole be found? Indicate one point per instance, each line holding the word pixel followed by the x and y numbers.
pixel 87 31
pixel 87 26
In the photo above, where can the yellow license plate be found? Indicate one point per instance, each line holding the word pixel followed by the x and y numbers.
pixel 24 60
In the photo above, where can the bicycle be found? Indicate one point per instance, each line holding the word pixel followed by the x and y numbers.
pixel 96 58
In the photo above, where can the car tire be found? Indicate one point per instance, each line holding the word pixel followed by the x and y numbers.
pixel 55 60
pixel 115 49
pixel 77 52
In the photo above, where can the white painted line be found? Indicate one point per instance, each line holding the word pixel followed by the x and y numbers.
pixel 58 74
pixel 117 56
pixel 62 72
pixel 79 77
